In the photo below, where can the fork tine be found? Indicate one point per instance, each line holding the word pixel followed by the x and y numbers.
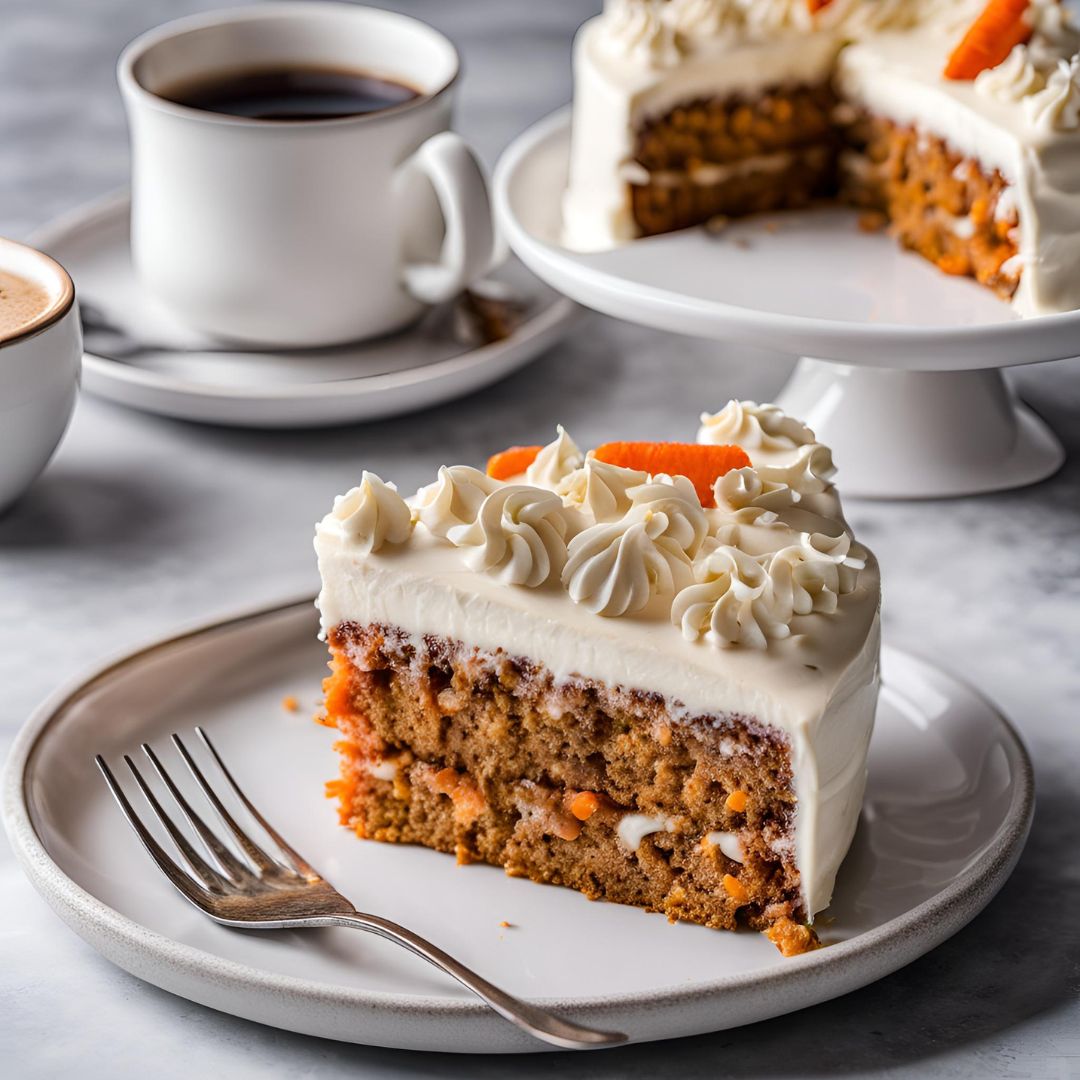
pixel 299 862
pixel 189 889
pixel 227 862
pixel 208 877
pixel 259 858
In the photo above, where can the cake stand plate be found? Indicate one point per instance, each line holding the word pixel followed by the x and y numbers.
pixel 905 381
pixel 948 806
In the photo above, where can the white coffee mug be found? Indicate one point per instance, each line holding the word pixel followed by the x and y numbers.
pixel 40 362
pixel 302 232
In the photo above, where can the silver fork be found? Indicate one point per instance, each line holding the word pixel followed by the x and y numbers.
pixel 275 892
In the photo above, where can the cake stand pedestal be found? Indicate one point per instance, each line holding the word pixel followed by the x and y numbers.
pixel 901 369
pixel 921 434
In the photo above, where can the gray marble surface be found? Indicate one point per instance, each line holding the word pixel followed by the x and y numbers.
pixel 140 523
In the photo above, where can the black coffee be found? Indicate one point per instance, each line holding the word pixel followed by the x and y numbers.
pixel 292 93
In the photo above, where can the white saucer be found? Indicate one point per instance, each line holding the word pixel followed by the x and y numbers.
pixel 948 807
pixel 417 368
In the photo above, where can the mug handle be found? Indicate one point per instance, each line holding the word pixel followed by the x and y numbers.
pixel 469 245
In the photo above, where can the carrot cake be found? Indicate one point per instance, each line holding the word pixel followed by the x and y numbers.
pixel 647 672
pixel 955 122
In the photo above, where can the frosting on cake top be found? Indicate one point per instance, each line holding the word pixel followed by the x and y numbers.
pixel 616 541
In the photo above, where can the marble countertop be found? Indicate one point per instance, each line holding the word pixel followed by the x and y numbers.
pixel 141 523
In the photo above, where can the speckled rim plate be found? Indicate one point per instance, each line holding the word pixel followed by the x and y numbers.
pixel 920 702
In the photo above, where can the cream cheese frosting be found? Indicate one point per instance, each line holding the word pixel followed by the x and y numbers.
pixel 598 574
pixel 371 515
pixel 1021 118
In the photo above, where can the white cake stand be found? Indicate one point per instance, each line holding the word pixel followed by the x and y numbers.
pixel 901 365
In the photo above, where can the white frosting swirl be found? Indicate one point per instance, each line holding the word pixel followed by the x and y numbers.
pixel 675 498
pixel 766 17
pixel 809 473
pixel 698 19
pixel 747 499
pixel 454 499
pixel 371 515
pixel 737 489
pixel 1012 80
pixel 873 16
pixel 775 486
pixel 555 462
pixel 725 605
pixel 600 488
pixel 615 569
pixel 1057 108
pixel 519 535
pixel 748 600
pixel 753 427
pixel 1052 21
pixel 811 575
pixel 637 31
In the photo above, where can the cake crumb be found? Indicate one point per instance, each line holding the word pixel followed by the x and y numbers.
pixel 290 704
pixel 717 224
pixel 873 221
pixel 792 938
pixel 507 925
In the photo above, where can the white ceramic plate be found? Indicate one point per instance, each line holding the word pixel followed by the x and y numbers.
pixel 807 282
pixel 413 370
pixel 948 807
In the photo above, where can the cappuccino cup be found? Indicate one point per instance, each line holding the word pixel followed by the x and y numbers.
pixel 40 361
pixel 294 179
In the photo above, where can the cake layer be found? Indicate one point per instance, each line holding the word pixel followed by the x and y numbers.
pixel 487 756
pixel 617 96
pixel 711 131
pixel 937 203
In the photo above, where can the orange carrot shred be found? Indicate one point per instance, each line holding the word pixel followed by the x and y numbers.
pixel 736 802
pixel 735 889
pixel 816 5
pixel 512 461
pixel 584 804
pixel 999 28
pixel 699 464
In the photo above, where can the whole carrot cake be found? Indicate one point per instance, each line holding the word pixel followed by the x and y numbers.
pixel 648 672
pixel 956 123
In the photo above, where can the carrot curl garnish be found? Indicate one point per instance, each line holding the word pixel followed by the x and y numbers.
pixel 701 465
pixel 1000 27
pixel 512 461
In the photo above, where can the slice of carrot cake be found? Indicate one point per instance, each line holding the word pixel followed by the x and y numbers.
pixel 648 672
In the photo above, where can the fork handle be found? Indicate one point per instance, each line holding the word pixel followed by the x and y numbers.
pixel 536 1021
